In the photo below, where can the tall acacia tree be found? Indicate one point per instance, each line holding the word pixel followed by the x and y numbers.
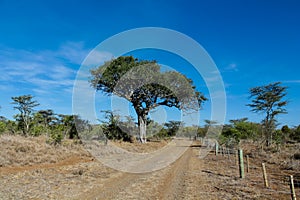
pixel 268 99
pixel 25 105
pixel 144 85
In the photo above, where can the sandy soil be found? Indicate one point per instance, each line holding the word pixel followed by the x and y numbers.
pixel 77 175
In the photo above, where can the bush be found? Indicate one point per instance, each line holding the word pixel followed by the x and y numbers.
pixel 2 127
pixel 37 130
pixel 113 132
pixel 55 138
pixel 163 133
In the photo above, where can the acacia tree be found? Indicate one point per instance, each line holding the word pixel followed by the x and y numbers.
pixel 268 100
pixel 144 85
pixel 25 105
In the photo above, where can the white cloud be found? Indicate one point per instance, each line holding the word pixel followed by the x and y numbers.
pixel 291 81
pixel 97 58
pixel 232 67
pixel 74 52
pixel 46 70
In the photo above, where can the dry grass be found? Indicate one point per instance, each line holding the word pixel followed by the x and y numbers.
pixel 137 147
pixel 21 151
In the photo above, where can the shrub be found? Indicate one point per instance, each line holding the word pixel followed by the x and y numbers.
pixel 55 138
pixel 2 127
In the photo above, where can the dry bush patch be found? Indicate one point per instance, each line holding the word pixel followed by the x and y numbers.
pixel 137 147
pixel 20 151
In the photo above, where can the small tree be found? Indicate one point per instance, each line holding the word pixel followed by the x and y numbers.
pixel 172 127
pixel 24 104
pixel 144 85
pixel 112 131
pixel 295 134
pixel 268 100
pixel 69 122
pixel 3 122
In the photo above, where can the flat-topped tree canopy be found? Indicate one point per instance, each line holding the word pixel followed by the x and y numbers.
pixel 144 85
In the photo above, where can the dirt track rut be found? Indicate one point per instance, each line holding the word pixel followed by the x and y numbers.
pixel 168 183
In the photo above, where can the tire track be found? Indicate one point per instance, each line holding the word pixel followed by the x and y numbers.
pixel 167 183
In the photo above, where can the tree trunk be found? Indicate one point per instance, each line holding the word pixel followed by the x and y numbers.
pixel 142 127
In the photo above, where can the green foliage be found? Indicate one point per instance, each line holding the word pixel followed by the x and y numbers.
pixel 37 130
pixel 69 125
pixel 162 134
pixel 268 100
pixel 11 127
pixel 145 86
pixel 278 137
pixel 239 129
pixel 2 127
pixel 295 134
pixel 24 104
pixel 172 127
pixel 55 138
pixel 111 128
pixel 201 132
pixel 3 124
pixel 170 130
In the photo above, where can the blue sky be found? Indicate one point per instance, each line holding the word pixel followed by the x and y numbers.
pixel 43 43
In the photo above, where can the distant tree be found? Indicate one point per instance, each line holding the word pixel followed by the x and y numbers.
pixel 69 123
pixel 3 122
pixel 47 116
pixel 111 127
pixel 286 131
pixel 154 129
pixel 24 104
pixel 173 127
pixel 239 129
pixel 212 128
pixel 129 126
pixel 11 126
pixel 43 120
pixel 295 134
pixel 132 79
pixel 268 99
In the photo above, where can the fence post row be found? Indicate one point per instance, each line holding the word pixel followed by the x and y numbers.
pixel 240 162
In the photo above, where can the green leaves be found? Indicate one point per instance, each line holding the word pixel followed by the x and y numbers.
pixel 268 100
pixel 144 85
pixel 25 105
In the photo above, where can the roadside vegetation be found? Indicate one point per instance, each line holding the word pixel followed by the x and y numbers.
pixel 268 100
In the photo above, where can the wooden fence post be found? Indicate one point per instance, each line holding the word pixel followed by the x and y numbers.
pixel 247 158
pixel 228 153
pixel 293 194
pixel 241 163
pixel 237 158
pixel 217 148
pixel 265 174
pixel 221 148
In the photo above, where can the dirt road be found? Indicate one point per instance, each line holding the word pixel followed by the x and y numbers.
pixel 167 183
pixel 83 177
pixel 89 179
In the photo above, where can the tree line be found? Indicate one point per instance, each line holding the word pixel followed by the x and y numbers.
pixel 146 87
pixel 29 122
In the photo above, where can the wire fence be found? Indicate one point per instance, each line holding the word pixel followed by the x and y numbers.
pixel 267 177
